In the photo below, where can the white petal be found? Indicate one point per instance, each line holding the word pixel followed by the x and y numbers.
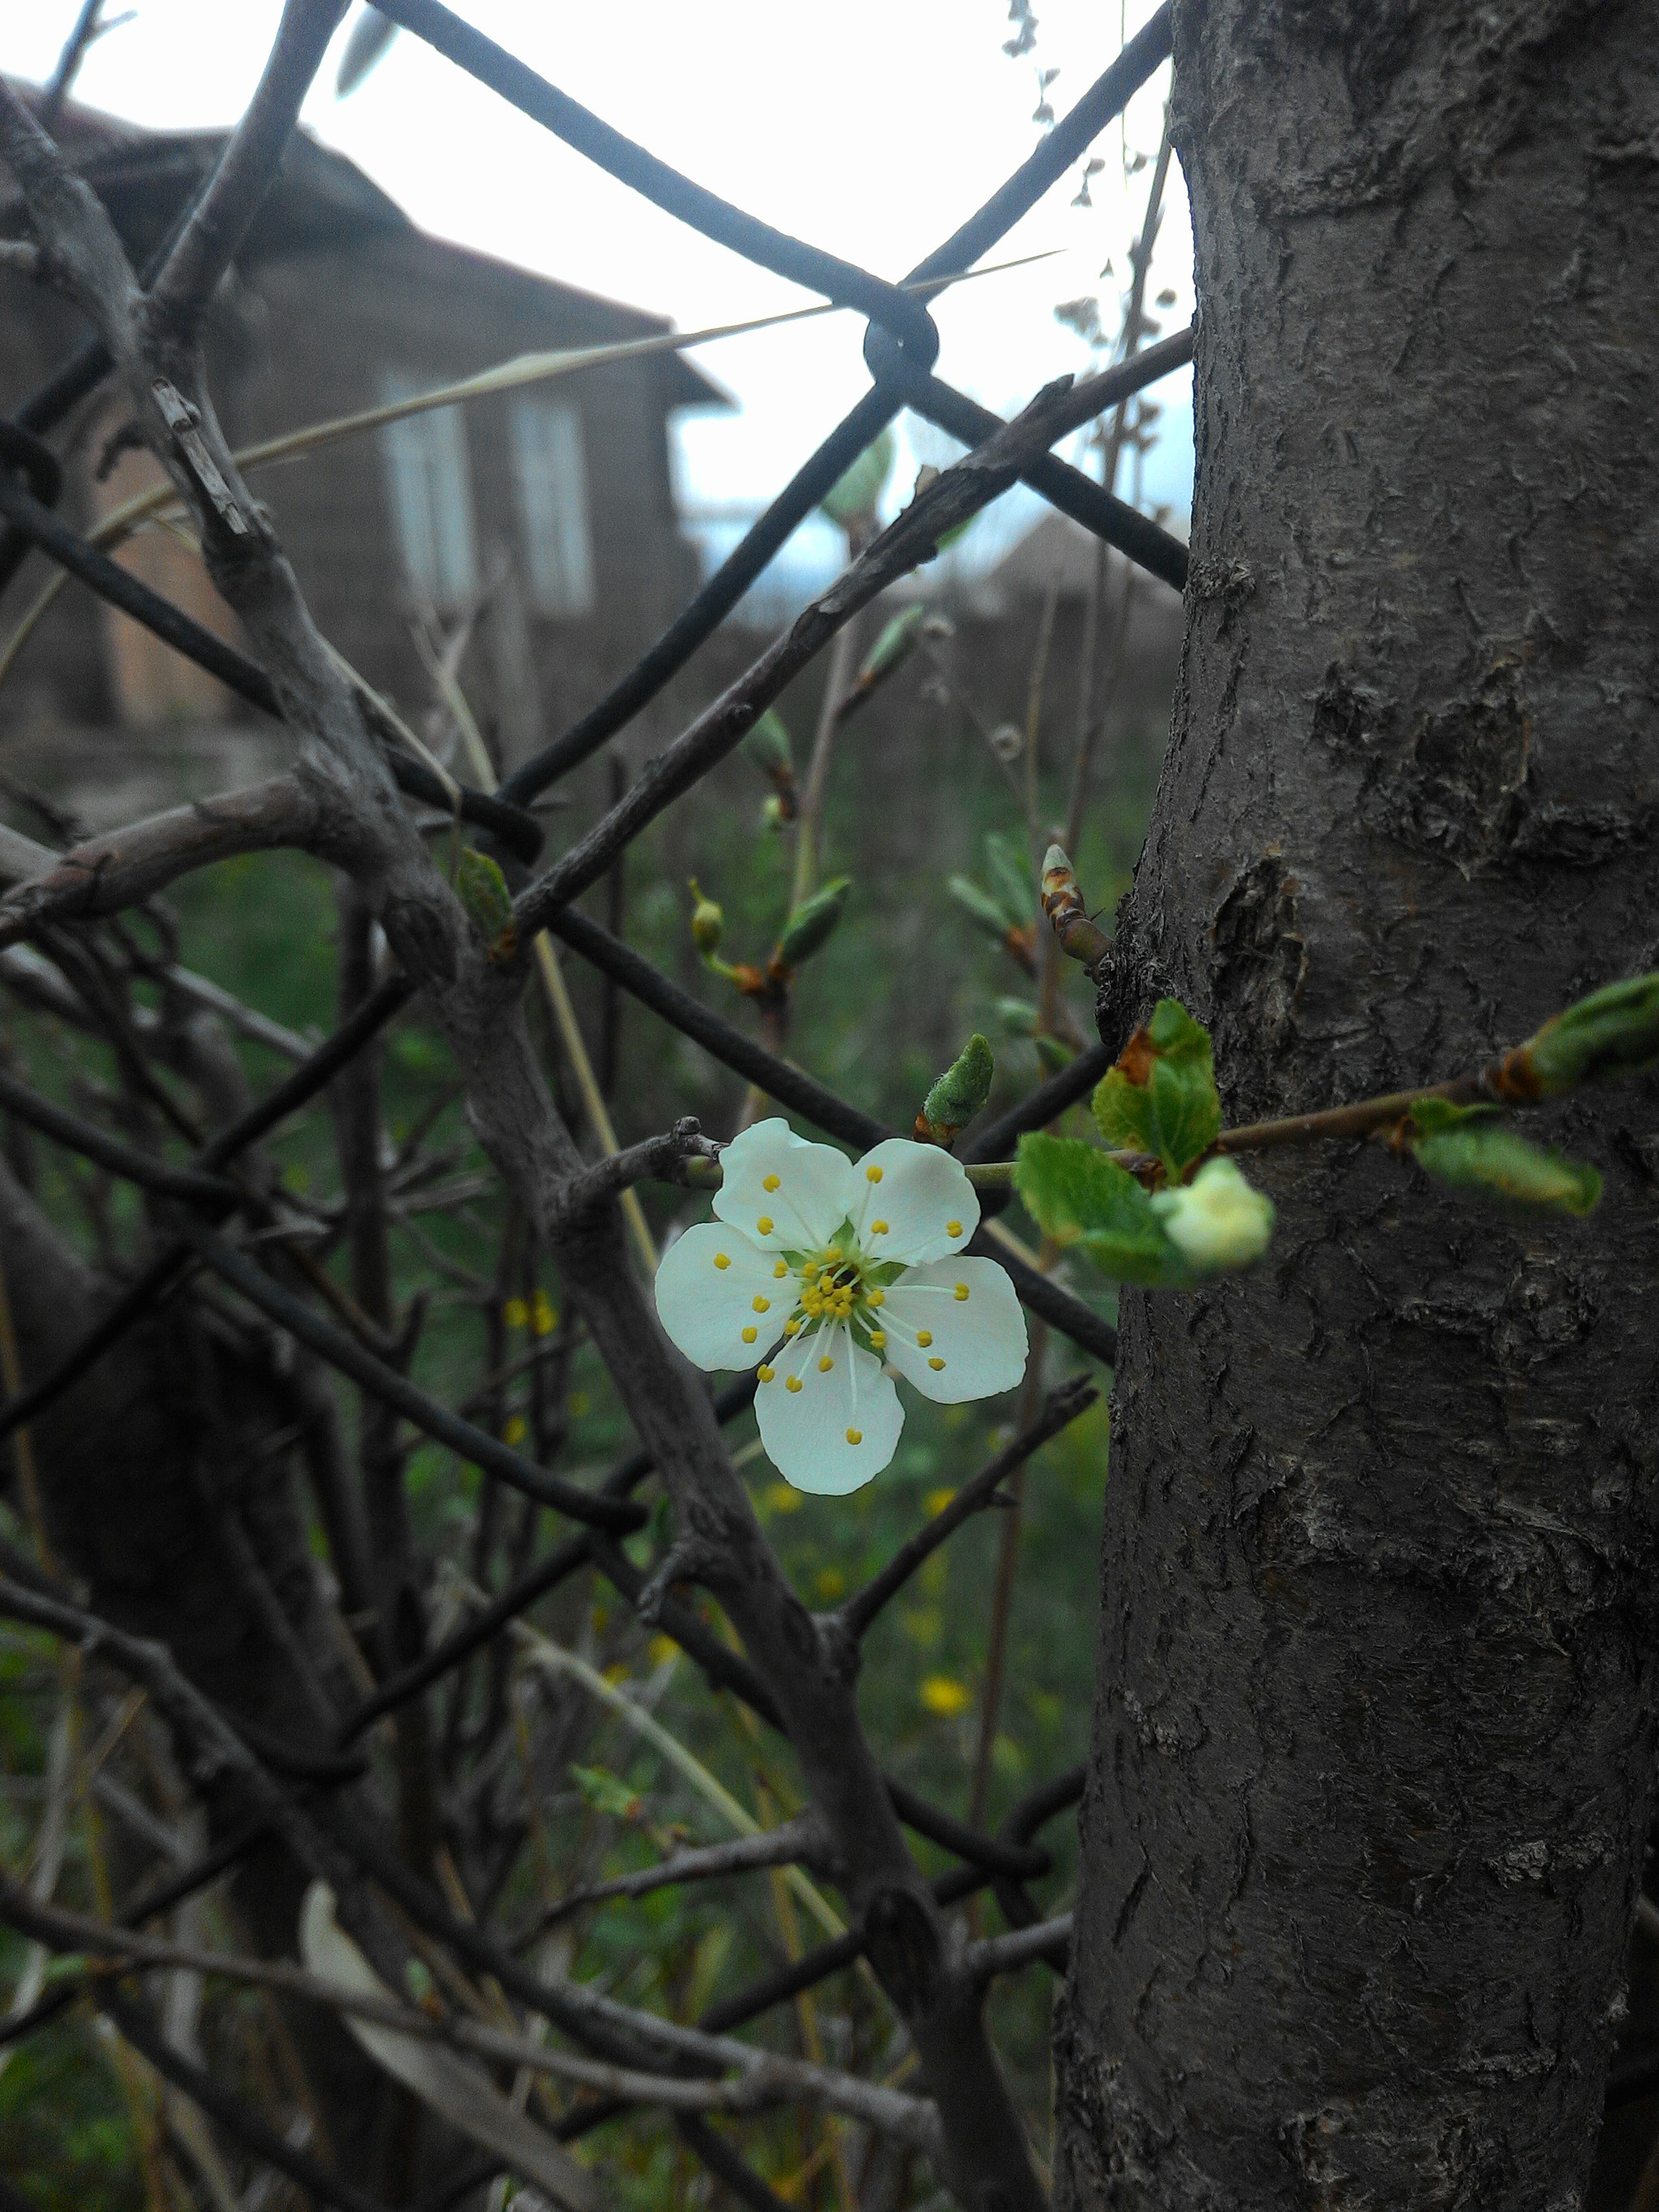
pixel 922 1195
pixel 808 1432
pixel 706 1307
pixel 783 1192
pixel 978 1343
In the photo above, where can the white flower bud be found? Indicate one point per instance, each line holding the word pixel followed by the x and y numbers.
pixel 1216 1220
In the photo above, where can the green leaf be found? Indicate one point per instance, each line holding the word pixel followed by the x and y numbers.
pixel 1614 1032
pixel 1011 879
pixel 893 648
pixel 812 922
pixel 858 494
pixel 1473 1148
pixel 980 907
pixel 962 1089
pixel 767 745
pixel 1078 1197
pixel 607 1793
pixel 482 889
pixel 1161 1096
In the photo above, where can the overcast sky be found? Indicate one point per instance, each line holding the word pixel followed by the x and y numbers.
pixel 871 127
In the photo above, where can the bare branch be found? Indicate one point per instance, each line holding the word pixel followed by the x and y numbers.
pixel 797 1842
pixel 1048 1939
pixel 764 2077
pixel 112 1151
pixel 124 868
pixel 668 1158
pixel 589 1507
pixel 246 170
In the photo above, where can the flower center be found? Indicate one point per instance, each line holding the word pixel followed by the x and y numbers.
pixel 832 1284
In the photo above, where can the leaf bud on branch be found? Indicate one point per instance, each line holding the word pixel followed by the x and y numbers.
pixel 1080 939
pixel 896 642
pixel 1614 1032
pixel 958 1095
pixel 811 924
pixel 769 747
pixel 482 889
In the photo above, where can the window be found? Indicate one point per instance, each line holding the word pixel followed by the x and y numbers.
pixel 432 496
pixel 547 450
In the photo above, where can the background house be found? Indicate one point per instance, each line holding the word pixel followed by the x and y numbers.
pixel 551 509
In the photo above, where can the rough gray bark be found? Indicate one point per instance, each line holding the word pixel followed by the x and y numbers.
pixel 1373 1745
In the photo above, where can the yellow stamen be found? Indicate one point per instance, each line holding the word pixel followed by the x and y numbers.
pixel 749 1334
pixel 722 1259
pixel 877 1228
pixel 761 1305
pixel 770 1183
pixel 878 1340
pixel 764 1374
pixel 938 1366
pixel 876 1297
pixel 792 1327
pixel 781 1270
pixel 953 1228
pixel 764 1224
pixel 962 1292
pixel 825 1365
pixel 923 1338
pixel 873 1174
pixel 791 1382
pixel 855 1436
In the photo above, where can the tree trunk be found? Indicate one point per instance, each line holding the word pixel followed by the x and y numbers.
pixel 1373 1745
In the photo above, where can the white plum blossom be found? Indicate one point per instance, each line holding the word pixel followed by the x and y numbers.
pixel 1216 1221
pixel 830 1272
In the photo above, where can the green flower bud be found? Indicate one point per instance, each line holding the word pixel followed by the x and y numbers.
pixel 961 1090
pixel 769 746
pixel 707 922
pixel 1614 1032
pixel 774 813
pixel 812 923
pixel 1216 1220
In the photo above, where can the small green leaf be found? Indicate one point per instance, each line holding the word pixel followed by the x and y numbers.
pixel 1078 1197
pixel 812 922
pixel 769 744
pixel 482 889
pixel 607 1793
pixel 1161 1096
pixel 1614 1032
pixel 961 1090
pixel 1473 1148
pixel 893 648
pixel 856 497
pixel 1011 878
pixel 980 907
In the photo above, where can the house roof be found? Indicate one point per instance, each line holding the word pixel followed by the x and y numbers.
pixel 319 199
